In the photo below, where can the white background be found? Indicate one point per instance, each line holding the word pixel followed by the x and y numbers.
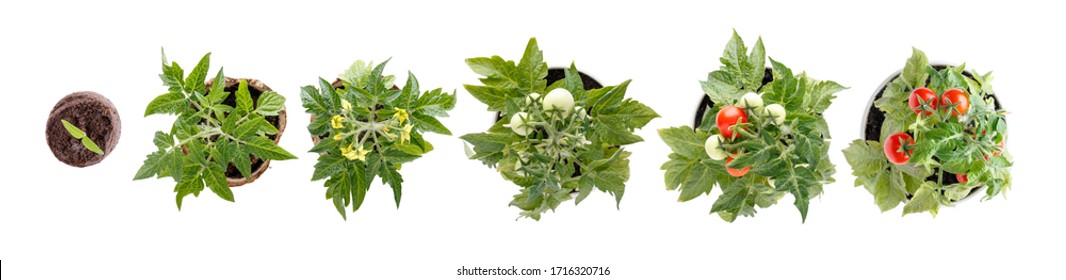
pixel 60 222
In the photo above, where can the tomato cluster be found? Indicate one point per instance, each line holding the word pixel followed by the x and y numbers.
pixel 924 101
pixel 729 120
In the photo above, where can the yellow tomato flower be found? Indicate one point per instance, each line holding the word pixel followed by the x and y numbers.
pixel 337 137
pixel 361 153
pixel 400 115
pixel 348 153
pixel 347 106
pixel 337 122
pixel 406 134
pixel 355 154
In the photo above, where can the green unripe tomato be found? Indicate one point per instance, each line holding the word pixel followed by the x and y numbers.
pixel 776 112
pixel 559 100
pixel 713 146
pixel 532 97
pixel 751 101
pixel 518 125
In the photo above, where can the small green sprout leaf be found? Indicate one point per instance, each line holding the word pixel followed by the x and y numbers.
pixel 79 134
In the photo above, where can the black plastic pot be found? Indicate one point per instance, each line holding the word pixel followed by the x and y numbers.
pixel 874 117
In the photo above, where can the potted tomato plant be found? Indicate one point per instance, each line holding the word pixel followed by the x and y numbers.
pixel 758 135
pixel 553 139
pixel 83 128
pixel 369 129
pixel 934 135
pixel 225 134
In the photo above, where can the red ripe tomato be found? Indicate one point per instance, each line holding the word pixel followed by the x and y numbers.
pixel 956 97
pixel 961 178
pixel 733 171
pixel 922 95
pixel 894 148
pixel 730 116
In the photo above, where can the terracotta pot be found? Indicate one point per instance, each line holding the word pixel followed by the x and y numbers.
pixel 92 113
pixel 256 87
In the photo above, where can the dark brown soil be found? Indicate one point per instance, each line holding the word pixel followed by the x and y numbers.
pixel 92 113
pixel 875 118
pixel 256 88
pixel 705 101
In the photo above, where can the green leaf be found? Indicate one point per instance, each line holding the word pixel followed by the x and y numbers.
pixel 719 88
pixel 312 101
pixel 488 147
pixel 375 83
pixel 683 141
pixel 430 124
pixel 925 199
pixel 89 144
pixel 612 174
pixel 162 140
pixel 319 126
pixel 756 66
pixel 822 95
pixel 264 148
pixel 532 68
pixel 630 114
pixel 393 178
pixel 914 72
pixel 218 89
pixel 254 125
pixel 172 75
pixel 195 80
pixel 175 163
pixel 497 71
pixel 699 179
pixel 244 97
pixel 152 165
pixel 865 157
pixel 574 83
pixel 329 165
pixel 241 160
pixel 167 103
pixel 73 130
pixel 609 100
pixel 215 179
pixel 614 133
pixel 733 200
pixel 435 103
pixel 495 98
pixel 338 189
pixel 735 55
